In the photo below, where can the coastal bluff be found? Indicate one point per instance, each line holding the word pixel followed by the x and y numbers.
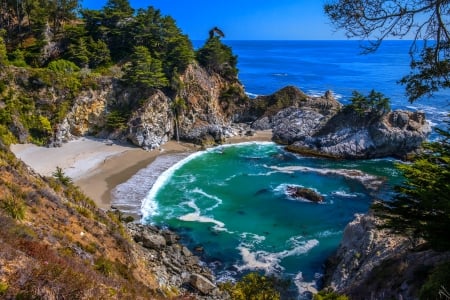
pixel 374 263
pixel 321 126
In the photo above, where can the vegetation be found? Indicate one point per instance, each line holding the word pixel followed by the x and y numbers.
pixel 253 286
pixel 437 285
pixel 378 20
pixel 327 294
pixel 421 208
pixel 217 57
pixel 373 103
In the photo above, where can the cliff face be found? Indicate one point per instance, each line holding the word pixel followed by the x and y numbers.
pixel 204 118
pixel 372 263
pixel 210 102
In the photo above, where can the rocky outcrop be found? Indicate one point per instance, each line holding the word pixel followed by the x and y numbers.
pixel 262 110
pixel 151 125
pixel 372 263
pixel 320 127
pixel 348 135
pixel 175 265
pixel 297 192
pixel 210 106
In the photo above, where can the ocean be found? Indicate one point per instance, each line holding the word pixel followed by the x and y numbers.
pixel 230 204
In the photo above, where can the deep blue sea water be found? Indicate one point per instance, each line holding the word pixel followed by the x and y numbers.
pixel 231 201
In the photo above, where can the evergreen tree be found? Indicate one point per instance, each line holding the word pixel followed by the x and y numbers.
pixel 217 57
pixel 145 70
pixel 421 209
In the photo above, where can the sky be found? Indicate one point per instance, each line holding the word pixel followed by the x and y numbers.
pixel 244 19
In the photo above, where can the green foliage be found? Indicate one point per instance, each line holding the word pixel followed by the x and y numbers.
pixel 145 70
pixel 374 102
pixel 6 136
pixel 117 119
pixel 437 285
pixel 376 20
pixel 63 66
pixel 253 286
pixel 217 57
pixel 3 288
pixel 429 74
pixel 421 208
pixel 61 177
pixel 327 294
pixel 13 206
pixel 3 52
pixel 17 58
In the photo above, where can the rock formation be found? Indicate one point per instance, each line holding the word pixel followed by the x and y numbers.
pixel 210 105
pixel 372 263
pixel 321 126
pixel 297 192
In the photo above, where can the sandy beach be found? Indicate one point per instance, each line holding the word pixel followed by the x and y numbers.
pixel 97 167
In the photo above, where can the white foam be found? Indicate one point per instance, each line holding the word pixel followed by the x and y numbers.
pixel 214 198
pixel 305 286
pixel 269 262
pixel 342 193
pixel 148 204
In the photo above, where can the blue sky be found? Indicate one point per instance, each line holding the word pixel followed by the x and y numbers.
pixel 244 19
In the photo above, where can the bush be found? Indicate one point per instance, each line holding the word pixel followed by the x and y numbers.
pixel 14 207
pixel 253 286
pixel 328 294
pixel 437 285
pixel 3 288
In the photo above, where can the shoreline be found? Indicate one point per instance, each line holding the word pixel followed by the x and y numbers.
pixel 98 167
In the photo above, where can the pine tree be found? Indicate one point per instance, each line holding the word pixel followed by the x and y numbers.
pixel 421 208
pixel 145 70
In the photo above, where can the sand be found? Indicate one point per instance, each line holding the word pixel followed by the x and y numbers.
pixel 97 167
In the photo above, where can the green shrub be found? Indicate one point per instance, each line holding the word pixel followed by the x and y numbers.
pixel 253 286
pixel 14 207
pixel 104 266
pixel 63 66
pixel 3 288
pixel 437 285
pixel 328 294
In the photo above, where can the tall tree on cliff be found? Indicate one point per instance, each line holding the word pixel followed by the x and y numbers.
pixel 421 207
pixel 217 57
pixel 377 20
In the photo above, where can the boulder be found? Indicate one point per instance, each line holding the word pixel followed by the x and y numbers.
pixel 201 283
pixel 297 192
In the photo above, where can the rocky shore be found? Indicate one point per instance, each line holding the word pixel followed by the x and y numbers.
pixel 373 263
pixel 175 265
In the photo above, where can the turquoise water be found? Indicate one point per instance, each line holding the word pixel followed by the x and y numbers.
pixel 231 202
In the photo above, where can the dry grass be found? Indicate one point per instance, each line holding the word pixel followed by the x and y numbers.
pixel 63 246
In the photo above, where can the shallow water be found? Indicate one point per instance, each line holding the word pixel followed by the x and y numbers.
pixel 231 201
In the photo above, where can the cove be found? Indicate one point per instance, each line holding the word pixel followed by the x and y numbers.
pixel 229 204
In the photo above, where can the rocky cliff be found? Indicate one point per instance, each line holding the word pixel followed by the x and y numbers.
pixel 372 263
pixel 322 126
pixel 149 116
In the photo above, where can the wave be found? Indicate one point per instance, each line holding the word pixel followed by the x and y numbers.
pixel 370 182
pixel 306 287
pixel 214 198
pixel 147 208
pixel 269 262
pixel 342 193
pixel 197 217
